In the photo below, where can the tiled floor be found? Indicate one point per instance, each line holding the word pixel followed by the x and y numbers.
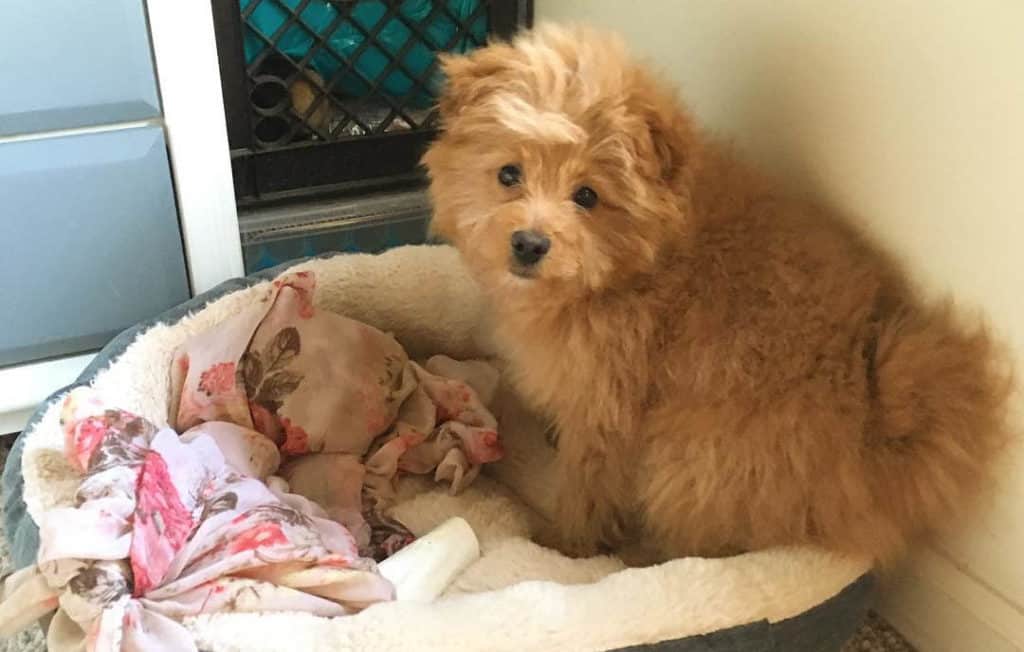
pixel 875 636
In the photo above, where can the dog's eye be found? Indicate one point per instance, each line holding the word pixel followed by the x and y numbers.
pixel 585 197
pixel 510 175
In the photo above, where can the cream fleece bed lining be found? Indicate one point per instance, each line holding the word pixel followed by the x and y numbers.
pixel 518 596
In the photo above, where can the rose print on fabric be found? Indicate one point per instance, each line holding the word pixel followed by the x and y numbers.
pixel 259 536
pixel 100 582
pixel 387 535
pixel 85 439
pixel 296 440
pixel 218 379
pixel 87 424
pixel 265 376
pixel 162 524
pixel 303 284
pixel 168 525
pixel 196 538
pixel 121 445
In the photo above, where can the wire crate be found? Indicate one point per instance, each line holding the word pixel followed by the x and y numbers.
pixel 336 97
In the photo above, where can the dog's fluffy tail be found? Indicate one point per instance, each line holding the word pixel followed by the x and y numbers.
pixel 941 393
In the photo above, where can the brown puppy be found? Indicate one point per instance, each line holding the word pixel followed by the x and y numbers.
pixel 727 369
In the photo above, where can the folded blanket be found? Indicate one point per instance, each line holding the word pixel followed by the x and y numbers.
pixel 294 425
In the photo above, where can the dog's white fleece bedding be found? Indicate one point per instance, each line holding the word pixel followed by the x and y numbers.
pixel 518 596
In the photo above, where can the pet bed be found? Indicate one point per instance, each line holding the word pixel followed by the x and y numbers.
pixel 517 596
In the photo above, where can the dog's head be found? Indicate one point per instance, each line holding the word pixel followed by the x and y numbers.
pixel 563 166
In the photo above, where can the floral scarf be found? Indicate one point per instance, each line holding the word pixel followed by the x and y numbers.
pixel 294 424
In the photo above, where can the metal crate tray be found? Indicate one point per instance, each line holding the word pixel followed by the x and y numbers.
pixel 271 236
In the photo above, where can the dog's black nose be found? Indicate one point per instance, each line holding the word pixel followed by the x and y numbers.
pixel 529 246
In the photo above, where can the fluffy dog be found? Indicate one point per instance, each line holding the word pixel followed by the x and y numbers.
pixel 727 369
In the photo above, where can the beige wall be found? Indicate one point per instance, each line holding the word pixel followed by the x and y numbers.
pixel 909 116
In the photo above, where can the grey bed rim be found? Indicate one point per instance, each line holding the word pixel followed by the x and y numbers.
pixel 823 628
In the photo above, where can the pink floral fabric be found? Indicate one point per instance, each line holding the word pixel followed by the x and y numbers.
pixel 294 424
pixel 346 406
pixel 169 526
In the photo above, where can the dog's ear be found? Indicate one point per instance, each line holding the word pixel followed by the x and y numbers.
pixel 670 129
pixel 455 70
pixel 672 141
pixel 467 77
pixel 669 136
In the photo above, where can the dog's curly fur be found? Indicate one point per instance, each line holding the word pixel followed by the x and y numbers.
pixel 727 369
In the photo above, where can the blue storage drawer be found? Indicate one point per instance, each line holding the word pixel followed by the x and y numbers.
pixel 69 63
pixel 91 242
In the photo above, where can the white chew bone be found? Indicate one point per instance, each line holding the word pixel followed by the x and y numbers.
pixel 423 570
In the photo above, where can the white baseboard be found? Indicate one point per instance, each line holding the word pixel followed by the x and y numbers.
pixel 14 421
pixel 24 387
pixel 939 608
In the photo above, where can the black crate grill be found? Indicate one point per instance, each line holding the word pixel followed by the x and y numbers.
pixel 333 95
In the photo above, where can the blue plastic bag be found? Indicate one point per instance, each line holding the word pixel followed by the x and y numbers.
pixel 393 39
